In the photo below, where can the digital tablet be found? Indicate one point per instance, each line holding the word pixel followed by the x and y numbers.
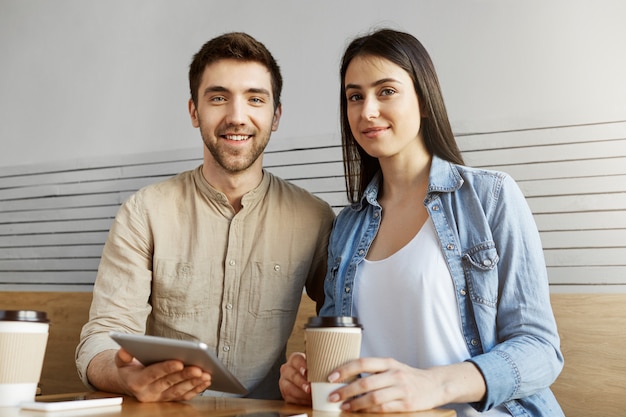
pixel 153 349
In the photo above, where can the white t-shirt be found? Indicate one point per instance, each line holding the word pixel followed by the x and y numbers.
pixel 408 309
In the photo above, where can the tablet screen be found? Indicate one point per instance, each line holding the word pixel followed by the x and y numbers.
pixel 153 349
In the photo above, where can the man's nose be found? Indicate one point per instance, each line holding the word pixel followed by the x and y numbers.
pixel 236 112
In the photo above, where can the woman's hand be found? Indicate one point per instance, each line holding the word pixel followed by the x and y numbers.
pixel 391 386
pixel 293 381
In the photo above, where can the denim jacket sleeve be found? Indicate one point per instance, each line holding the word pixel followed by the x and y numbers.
pixel 353 231
pixel 520 343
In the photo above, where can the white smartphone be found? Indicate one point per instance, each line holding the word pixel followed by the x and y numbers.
pixel 67 403
pixel 153 349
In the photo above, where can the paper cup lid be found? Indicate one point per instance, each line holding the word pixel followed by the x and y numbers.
pixel 24 315
pixel 335 321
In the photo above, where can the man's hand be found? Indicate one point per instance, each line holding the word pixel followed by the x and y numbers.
pixel 118 371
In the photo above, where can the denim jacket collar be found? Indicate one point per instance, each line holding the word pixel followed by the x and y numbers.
pixel 444 177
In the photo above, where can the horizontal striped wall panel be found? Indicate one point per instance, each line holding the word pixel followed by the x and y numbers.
pixel 55 217
pixel 569 276
pixel 537 154
pixel 51 239
pixel 52 252
pixel 564 169
pixel 542 137
pixel 574 180
pixel 589 203
pixel 56 265
pixel 597 238
pixel 71 213
pixel 600 220
pixel 602 256
pixel 62 279
pixel 45 227
pixel 62 202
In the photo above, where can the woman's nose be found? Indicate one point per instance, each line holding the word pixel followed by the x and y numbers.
pixel 370 108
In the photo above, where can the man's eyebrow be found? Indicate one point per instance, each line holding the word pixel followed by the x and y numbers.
pixel 221 89
pixel 262 91
pixel 215 89
pixel 374 84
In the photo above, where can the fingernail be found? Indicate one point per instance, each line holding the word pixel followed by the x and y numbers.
pixel 333 377
pixel 305 388
pixel 333 398
pixel 302 371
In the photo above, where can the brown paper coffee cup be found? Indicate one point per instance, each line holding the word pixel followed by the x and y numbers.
pixel 330 343
pixel 24 353
pixel 23 339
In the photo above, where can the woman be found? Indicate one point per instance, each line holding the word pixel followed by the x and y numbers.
pixel 441 263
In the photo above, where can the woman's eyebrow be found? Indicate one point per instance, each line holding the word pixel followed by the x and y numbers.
pixel 374 84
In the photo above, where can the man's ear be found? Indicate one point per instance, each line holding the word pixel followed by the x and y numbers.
pixel 193 113
pixel 276 119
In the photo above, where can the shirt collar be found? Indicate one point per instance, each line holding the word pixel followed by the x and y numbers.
pixel 443 177
pixel 249 198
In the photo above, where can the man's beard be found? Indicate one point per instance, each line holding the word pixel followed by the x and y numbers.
pixel 239 160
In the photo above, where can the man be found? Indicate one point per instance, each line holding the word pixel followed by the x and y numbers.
pixel 218 254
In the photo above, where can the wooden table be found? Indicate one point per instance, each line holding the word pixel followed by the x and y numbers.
pixel 212 406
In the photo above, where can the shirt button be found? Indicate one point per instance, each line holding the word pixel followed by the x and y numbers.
pixel 229 306
pixel 231 263
pixel 435 208
pixel 474 342
pixel 276 268
pixel 347 289
pixel 463 292
pixel 361 252
pixel 376 215
pixel 226 348
pixel 450 246
pixel 487 262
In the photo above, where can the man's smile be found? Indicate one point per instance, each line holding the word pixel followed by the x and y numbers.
pixel 237 137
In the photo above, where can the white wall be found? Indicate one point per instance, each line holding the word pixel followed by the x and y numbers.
pixel 83 79
pixel 93 106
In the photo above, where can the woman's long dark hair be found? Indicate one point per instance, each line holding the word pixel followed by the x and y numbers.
pixel 409 54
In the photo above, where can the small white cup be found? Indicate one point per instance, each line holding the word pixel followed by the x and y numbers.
pixel 320 392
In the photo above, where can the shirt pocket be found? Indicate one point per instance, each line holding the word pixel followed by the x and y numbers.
pixel 181 288
pixel 275 289
pixel 480 264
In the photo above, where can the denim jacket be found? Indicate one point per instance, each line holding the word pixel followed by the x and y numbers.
pixel 493 251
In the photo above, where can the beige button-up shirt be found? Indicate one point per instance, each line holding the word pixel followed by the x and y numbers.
pixel 179 263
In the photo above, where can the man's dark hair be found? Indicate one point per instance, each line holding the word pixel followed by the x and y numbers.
pixel 239 46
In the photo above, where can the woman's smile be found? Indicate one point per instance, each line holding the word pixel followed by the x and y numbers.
pixel 373 132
